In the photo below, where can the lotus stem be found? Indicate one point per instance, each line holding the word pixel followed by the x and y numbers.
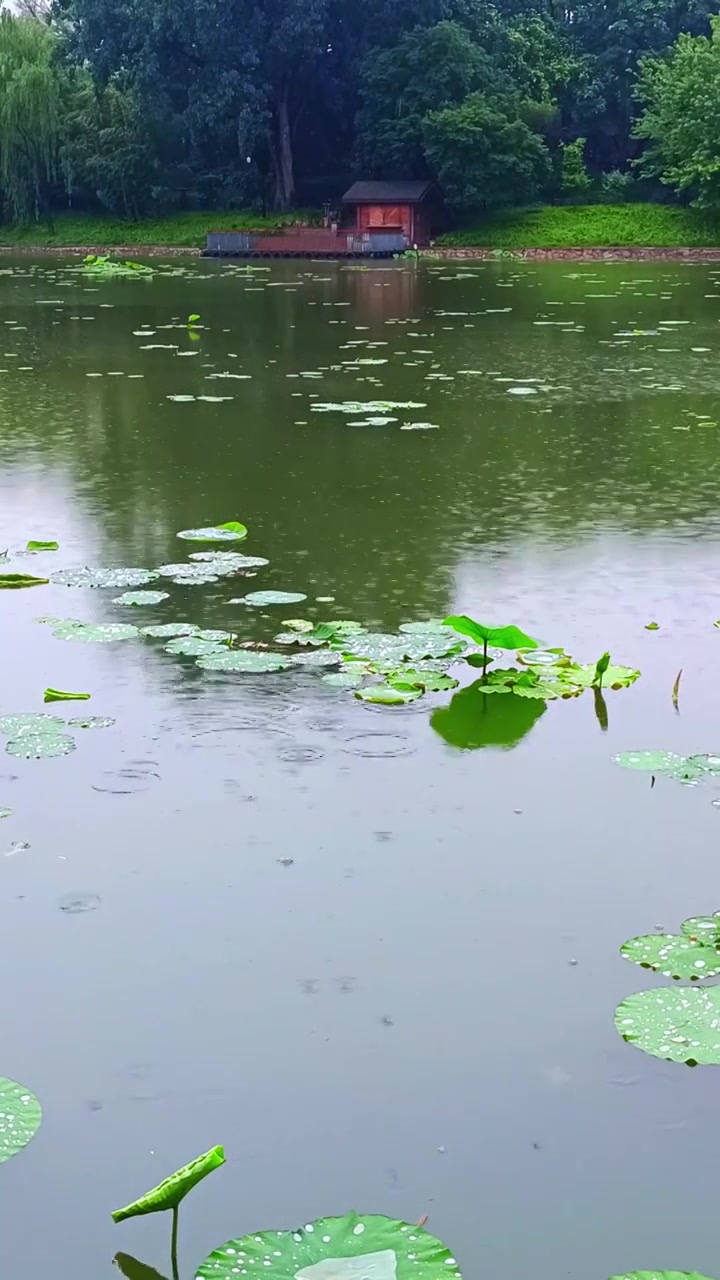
pixel 174 1243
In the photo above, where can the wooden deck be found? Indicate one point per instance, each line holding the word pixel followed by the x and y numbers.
pixel 301 242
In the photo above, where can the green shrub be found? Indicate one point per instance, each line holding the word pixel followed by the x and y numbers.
pixel 589 226
pixel 176 230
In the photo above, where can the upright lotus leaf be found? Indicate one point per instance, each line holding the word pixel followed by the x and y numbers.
pixel 169 1194
pixel 230 531
pixel 705 929
pixel 509 637
pixel 472 720
pixel 675 956
pixel 15 580
pixel 20 1117
pixel 353 1247
pixel 62 695
pixel 42 546
pixel 681 1024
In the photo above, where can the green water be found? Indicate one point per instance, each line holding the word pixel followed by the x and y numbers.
pixel 395 1021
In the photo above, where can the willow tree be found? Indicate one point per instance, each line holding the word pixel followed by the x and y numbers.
pixel 31 92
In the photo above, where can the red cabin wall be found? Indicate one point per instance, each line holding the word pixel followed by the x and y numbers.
pixel 385 216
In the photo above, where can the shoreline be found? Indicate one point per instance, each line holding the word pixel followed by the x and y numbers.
pixel 599 253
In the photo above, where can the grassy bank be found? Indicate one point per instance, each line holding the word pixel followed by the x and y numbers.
pixel 179 229
pixel 589 226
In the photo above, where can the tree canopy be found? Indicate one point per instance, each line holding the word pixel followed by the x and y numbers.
pixel 146 106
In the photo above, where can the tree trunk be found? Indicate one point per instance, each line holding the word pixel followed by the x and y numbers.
pixel 282 153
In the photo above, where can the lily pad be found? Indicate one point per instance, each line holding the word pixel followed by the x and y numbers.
pixel 389 695
pixel 244 661
pixel 316 658
pixel 353 1247
pixel 20 1117
pixel 613 677
pixel 91 722
pixel 95 633
pixel 103 577
pixel 687 769
pixel 258 599
pixel 193 646
pixel 169 1193
pixel 704 929
pixel 675 956
pixel 15 580
pixel 15 726
pixel 141 597
pixel 39 746
pixel 63 695
pixel 429 681
pixel 228 561
pixel 168 630
pixel 190 574
pixel 344 679
pixel 231 531
pixel 678 1024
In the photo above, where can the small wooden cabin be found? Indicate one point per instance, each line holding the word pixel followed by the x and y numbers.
pixel 393 209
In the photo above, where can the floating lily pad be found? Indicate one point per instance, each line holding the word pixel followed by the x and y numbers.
pixel 169 1194
pixel 228 561
pixel 91 722
pixel 15 726
pixel 20 1117
pixel 687 769
pixel 38 746
pixel 679 1024
pixel 168 630
pixel 141 597
pixel 430 681
pixel 231 531
pixel 389 695
pixel 704 929
pixel 191 573
pixel 63 695
pixel 103 577
pixel 244 661
pixel 16 580
pixel 95 633
pixel 675 956
pixel 259 599
pixel 613 677
pixel 354 1247
pixel 316 658
pixel 344 679
pixel 193 646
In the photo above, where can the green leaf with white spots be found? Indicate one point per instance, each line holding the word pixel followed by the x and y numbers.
pixel 119 578
pixel 193 646
pixel 389 695
pixel 353 1247
pixel 588 675
pixel 141 597
pixel 32 722
pixel 705 929
pixel 170 630
pixel 40 746
pixel 259 599
pixel 429 681
pixel 344 679
pixel 228 561
pixel 675 956
pixel 315 658
pixel 680 1024
pixel 169 1193
pixel 688 769
pixel 91 722
pixel 20 1117
pixel 244 661
pixel 95 633
pixel 231 531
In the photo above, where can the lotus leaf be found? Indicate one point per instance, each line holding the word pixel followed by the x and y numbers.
pixel 344 679
pixel 15 580
pixel 231 531
pixel 259 599
pixel 244 661
pixel 190 573
pixel 20 1117
pixel 38 746
pixel 353 1247
pixel 62 695
pixel 704 929
pixel 103 577
pixel 91 722
pixel 429 681
pixel 679 1024
pixel 435 626
pixel 194 647
pixel 224 562
pixel 673 956
pixel 660 1275
pixel 509 637
pixel 389 695
pixel 168 630
pixel 43 546
pixel 15 726
pixel 687 769
pixel 141 597
pixel 589 674
pixel 169 1194
pixel 316 658
pixel 95 633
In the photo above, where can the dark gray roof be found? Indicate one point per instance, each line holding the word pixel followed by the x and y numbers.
pixel 387 192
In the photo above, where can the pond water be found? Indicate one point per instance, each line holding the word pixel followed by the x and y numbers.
pixel 380 968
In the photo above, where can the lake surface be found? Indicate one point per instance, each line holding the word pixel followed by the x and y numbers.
pixel 416 1014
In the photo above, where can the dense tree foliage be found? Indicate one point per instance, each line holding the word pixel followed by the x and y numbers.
pixel 146 106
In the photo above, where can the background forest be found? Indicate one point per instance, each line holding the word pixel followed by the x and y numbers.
pixel 147 107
